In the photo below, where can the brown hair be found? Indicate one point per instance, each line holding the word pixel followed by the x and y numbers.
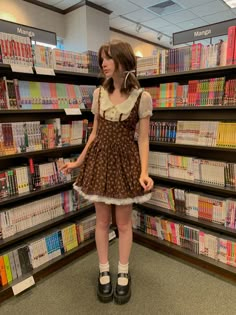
pixel 122 54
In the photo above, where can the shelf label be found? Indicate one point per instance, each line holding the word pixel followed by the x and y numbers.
pixel 21 68
pixel 23 285
pixel 73 111
pixel 44 71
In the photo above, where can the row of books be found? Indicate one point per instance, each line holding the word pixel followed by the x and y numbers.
pixel 44 248
pixel 192 169
pixel 20 218
pixel 42 56
pixel 198 205
pixel 18 137
pixel 86 62
pixel 15 49
pixel 164 131
pixel 34 176
pixel 206 133
pixel 198 241
pixel 18 94
pixel 195 56
pixel 202 133
pixel 207 92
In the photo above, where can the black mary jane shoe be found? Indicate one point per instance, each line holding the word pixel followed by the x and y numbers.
pixel 104 291
pixel 122 293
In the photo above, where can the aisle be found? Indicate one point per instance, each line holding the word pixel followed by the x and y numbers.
pixel 161 286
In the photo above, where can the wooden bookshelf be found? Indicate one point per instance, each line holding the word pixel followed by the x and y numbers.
pixel 59 77
pixel 47 269
pixel 41 156
pixel 37 193
pixel 224 191
pixel 181 217
pixel 47 152
pixel 228 71
pixel 172 250
pixel 37 229
pixel 227 154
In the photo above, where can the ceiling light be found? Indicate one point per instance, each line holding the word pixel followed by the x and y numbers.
pixel 230 3
pixel 138 27
pixel 159 36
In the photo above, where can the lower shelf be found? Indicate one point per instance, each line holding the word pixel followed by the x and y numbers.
pixel 46 269
pixel 205 263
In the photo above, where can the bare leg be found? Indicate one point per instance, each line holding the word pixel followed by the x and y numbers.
pixel 124 224
pixel 103 217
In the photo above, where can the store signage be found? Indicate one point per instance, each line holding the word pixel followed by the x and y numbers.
pixel 203 32
pixel 32 32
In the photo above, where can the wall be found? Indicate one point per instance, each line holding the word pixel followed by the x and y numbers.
pixel 137 45
pixel 86 29
pixel 26 13
pixel 69 26
pixel 97 28
pixel 75 38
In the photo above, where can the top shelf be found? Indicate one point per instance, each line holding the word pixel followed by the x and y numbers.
pixel 60 76
pixel 199 73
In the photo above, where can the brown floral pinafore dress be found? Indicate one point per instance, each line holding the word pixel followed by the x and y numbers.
pixel 111 168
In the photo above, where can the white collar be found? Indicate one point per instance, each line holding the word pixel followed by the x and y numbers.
pixel 123 108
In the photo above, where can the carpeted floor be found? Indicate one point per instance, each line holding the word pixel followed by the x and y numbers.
pixel 160 286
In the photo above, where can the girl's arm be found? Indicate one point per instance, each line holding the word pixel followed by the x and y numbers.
pixel 69 166
pixel 143 144
pixel 66 168
pixel 91 138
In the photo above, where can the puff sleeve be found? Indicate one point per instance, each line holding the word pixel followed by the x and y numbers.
pixel 94 108
pixel 145 106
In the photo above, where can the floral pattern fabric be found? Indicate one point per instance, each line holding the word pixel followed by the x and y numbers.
pixel 111 169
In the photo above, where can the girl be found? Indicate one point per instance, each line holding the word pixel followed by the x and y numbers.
pixel 113 167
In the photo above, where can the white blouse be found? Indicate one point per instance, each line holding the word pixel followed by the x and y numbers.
pixel 113 112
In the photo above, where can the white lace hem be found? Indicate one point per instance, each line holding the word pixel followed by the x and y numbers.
pixel 114 201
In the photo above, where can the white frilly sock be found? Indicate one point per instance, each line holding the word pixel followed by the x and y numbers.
pixel 103 268
pixel 123 269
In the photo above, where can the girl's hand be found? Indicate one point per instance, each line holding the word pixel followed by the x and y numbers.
pixel 146 182
pixel 68 167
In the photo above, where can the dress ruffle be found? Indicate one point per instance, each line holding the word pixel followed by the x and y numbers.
pixel 115 201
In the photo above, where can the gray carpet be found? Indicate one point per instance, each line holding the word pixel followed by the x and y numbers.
pixel 161 285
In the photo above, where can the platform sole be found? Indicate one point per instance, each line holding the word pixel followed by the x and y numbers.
pixel 105 298
pixel 122 299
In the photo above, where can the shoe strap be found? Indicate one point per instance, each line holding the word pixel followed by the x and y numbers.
pixel 123 275
pixel 104 273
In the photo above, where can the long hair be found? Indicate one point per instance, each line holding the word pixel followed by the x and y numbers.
pixel 122 55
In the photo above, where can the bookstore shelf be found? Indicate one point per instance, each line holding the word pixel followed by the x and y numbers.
pixel 221 113
pixel 218 113
pixel 61 150
pixel 188 219
pixel 39 157
pixel 194 108
pixel 38 111
pixel 39 192
pixel 185 75
pixel 49 267
pixel 45 226
pixel 60 76
pixel 229 191
pixel 205 263
pixel 197 147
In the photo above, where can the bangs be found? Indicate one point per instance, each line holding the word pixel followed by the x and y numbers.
pixel 106 50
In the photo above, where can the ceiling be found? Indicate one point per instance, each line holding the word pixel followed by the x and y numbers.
pixel 126 14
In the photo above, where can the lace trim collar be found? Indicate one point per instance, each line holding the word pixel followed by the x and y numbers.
pixel 124 107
